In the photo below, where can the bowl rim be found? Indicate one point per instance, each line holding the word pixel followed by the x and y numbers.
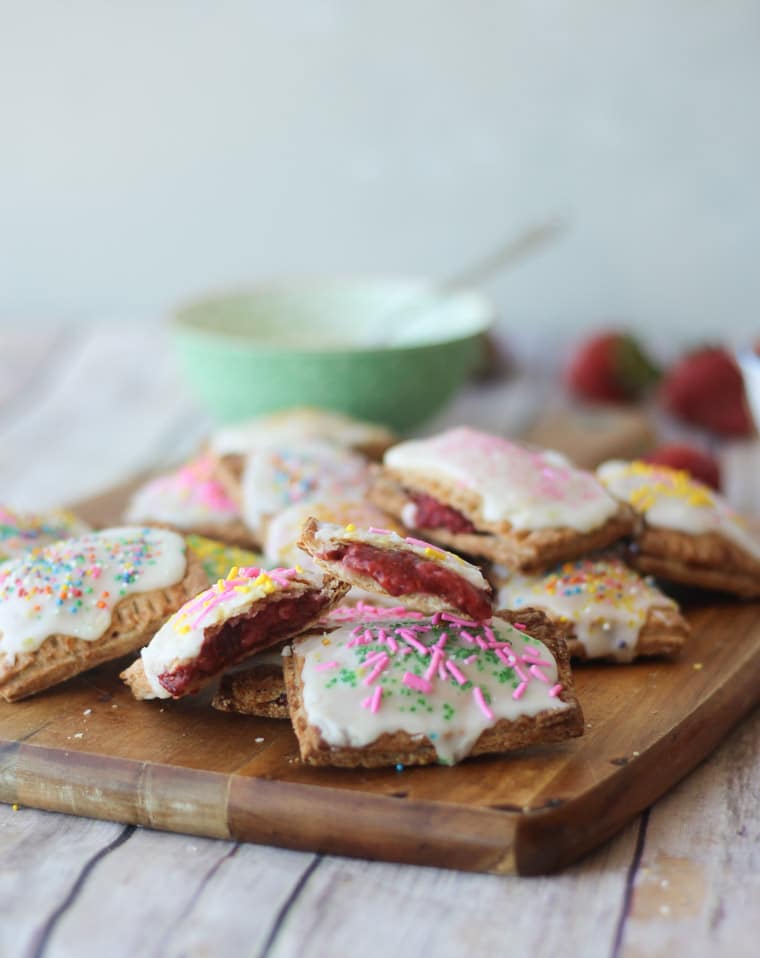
pixel 179 323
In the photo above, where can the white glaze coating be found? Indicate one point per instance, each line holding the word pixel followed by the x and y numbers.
pixel 606 602
pixel 275 477
pixel 295 425
pixel 337 697
pixel 71 587
pixel 179 640
pixel 186 498
pixel 329 535
pixel 671 499
pixel 530 490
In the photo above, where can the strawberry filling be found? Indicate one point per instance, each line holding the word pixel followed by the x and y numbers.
pixel 230 643
pixel 432 514
pixel 404 573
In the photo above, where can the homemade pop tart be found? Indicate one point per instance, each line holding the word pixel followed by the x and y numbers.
pixel 421 576
pixel 22 531
pixel 77 603
pixel 271 478
pixel 190 499
pixel 249 611
pixel 417 690
pixel 298 424
pixel 687 532
pixel 485 496
pixel 607 610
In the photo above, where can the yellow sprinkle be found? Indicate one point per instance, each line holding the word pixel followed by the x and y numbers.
pixel 299 569
pixel 350 527
pixel 220 584
pixel 14 807
pixel 697 666
pixel 233 573
pixel 434 553
pixel 325 642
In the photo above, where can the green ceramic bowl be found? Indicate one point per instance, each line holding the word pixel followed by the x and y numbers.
pixel 385 350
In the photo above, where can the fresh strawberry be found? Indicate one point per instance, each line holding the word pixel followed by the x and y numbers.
pixel 610 367
pixel 700 464
pixel 706 388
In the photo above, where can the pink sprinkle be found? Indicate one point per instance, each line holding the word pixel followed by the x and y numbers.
pixel 520 690
pixel 380 532
pixel 375 657
pixel 489 633
pixel 417 683
pixel 520 671
pixel 377 671
pixel 519 625
pixel 482 704
pixel 442 672
pixel 455 619
pixel 537 673
pixel 408 636
pixel 367 635
pixel 382 635
pixel 436 618
pixel 443 640
pixel 324 666
pixel 455 672
pixel 392 644
pixel 435 661
pixel 555 690
pixel 418 542
pixel 377 696
pixel 470 659
pixel 503 657
pixel 481 643
pixel 406 651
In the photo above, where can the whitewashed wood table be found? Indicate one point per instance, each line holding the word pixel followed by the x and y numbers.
pixel 81 408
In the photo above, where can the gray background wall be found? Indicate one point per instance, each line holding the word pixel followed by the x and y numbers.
pixel 153 149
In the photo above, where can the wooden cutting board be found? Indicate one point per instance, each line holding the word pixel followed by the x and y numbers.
pixel 88 748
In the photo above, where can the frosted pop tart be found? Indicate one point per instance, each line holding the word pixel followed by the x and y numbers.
pixel 77 603
pixel 418 690
pixel 485 496
pixel 22 531
pixel 687 532
pixel 607 609
pixel 421 576
pixel 273 477
pixel 190 499
pixel 302 423
pixel 249 611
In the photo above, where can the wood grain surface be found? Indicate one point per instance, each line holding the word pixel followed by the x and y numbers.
pixel 81 406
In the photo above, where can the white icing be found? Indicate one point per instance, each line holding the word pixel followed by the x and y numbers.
pixel 275 477
pixel 71 587
pixel 671 499
pixel 530 490
pixel 295 425
pixel 186 498
pixel 179 640
pixel 335 698
pixel 329 535
pixel 606 602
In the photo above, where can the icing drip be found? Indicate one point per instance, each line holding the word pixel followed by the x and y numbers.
pixel 189 497
pixel 444 678
pixel 181 638
pixel 606 602
pixel 71 587
pixel 22 531
pixel 671 499
pixel 278 476
pixel 530 490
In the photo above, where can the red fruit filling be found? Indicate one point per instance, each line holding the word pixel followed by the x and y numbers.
pixel 403 573
pixel 432 514
pixel 236 639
